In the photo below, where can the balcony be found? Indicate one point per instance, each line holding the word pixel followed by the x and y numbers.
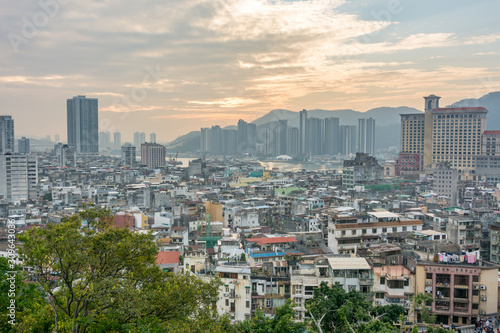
pixel 460 309
pixel 442 308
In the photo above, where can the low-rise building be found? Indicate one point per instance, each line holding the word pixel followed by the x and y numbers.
pixel 347 232
pixel 463 291
pixel 235 294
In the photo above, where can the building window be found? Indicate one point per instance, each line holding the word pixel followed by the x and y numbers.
pixel 382 280
pixel 248 304
pixel 268 303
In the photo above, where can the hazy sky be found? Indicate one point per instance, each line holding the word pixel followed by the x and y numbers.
pixel 172 66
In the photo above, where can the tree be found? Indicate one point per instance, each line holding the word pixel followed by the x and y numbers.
pixel 420 304
pixel 99 278
pixel 332 309
pixel 283 321
pixel 24 296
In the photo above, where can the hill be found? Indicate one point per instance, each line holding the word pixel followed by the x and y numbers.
pixel 489 101
pixel 387 120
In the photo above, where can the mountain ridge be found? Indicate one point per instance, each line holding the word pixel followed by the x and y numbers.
pixel 387 120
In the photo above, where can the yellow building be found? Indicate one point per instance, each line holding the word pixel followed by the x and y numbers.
pixel 462 292
pixel 215 211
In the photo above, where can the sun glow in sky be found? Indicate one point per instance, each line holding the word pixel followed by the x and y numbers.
pixel 172 66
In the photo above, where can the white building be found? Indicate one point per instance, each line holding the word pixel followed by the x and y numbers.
pixel 235 295
pixel 18 177
pixel 347 232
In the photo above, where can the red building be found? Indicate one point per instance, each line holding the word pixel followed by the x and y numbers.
pixel 409 163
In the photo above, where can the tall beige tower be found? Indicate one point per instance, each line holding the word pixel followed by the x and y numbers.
pixel 431 103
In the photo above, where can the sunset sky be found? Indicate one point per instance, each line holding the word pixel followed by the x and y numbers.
pixel 172 66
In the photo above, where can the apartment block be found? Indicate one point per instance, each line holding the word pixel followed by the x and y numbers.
pixel 347 232
pixel 461 291
pixel 18 177
pixel 153 155
pixel 393 284
pixel 352 273
pixel 451 135
pixel 235 296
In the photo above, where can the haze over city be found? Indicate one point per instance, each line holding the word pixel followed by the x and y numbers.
pixel 188 64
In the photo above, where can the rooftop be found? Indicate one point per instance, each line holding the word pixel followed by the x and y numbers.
pixel 272 240
pixel 233 269
pixel 348 263
pixel 168 257
pixel 477 109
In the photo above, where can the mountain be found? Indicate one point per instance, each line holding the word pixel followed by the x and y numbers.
pixel 387 120
pixel 185 143
pixel 491 102
pixel 382 115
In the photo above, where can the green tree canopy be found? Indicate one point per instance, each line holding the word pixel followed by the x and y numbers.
pixel 283 322
pixel 99 278
pixel 332 309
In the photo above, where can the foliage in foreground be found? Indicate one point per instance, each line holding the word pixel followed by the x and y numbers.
pixel 93 277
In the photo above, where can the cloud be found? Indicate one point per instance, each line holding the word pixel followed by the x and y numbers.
pixel 485 53
pixel 227 102
pixel 228 58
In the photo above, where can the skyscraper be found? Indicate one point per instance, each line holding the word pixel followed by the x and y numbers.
pixel 302 132
pixel 205 136
pixel 104 140
pixel 216 144
pixel 332 136
pixel 347 139
pixel 366 136
pixel 117 139
pixel 128 154
pixel 441 135
pixel 314 136
pixel 83 124
pixel 152 155
pixel 139 139
pixel 293 141
pixel 6 134
pixel 23 146
pixel 152 137
pixel 247 137
pixel 282 138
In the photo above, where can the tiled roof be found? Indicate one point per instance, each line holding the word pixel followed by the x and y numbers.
pixel 168 257
pixel 272 240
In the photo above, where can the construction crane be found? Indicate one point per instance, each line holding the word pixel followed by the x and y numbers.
pixel 174 162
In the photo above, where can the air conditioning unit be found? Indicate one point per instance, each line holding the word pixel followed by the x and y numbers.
pixel 475 287
pixel 226 295
pixel 482 312
pixel 483 287
pixel 483 298
pixel 378 302
pixel 427 282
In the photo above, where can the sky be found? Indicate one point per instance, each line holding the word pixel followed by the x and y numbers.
pixel 173 66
